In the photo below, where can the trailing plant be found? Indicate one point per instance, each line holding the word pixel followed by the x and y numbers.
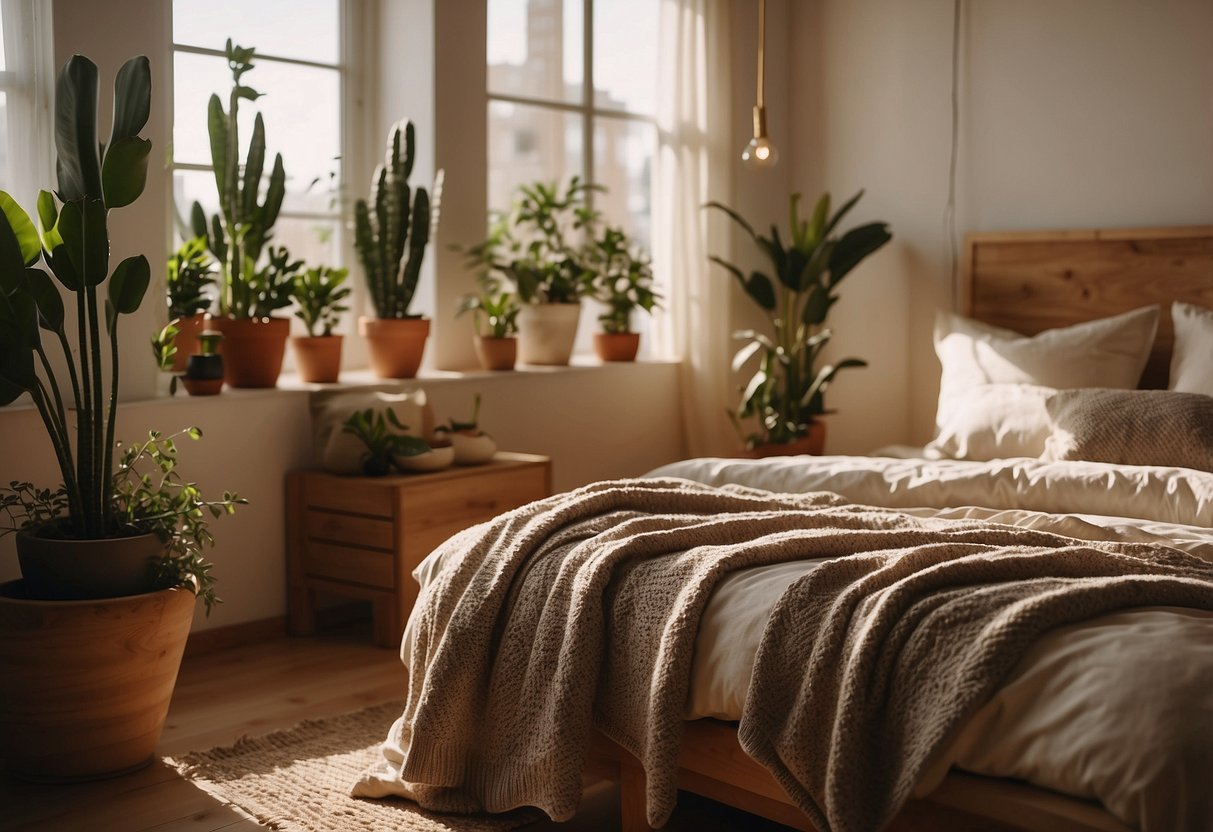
pixel 493 308
pixel 95 500
pixel 320 296
pixel 384 439
pixel 787 391
pixel 244 224
pixel 538 246
pixel 394 220
pixel 623 279
pixel 190 276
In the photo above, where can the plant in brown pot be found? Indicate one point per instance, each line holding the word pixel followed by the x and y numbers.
pixel 251 289
pixel 320 297
pixel 786 394
pixel 395 222
pixel 92 635
pixel 188 283
pixel 495 317
pixel 623 283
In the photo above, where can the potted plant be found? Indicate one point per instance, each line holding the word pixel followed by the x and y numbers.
pixel 204 370
pixel 92 634
pixel 531 247
pixel 319 295
pixel 190 276
pixel 383 230
pixel 254 340
pixel 786 394
pixel 472 446
pixel 623 283
pixel 386 441
pixel 495 316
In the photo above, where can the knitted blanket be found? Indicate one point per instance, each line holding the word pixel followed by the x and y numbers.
pixel 582 610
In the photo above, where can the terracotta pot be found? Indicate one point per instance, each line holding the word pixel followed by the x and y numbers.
pixel 202 386
pixel 396 345
pixel 203 375
pixel 811 443
pixel 617 346
pixel 546 332
pixel 186 340
pixel 86 684
pixel 252 350
pixel 318 357
pixel 55 569
pixel 496 353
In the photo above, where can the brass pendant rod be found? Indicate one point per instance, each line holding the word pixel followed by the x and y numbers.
pixel 762 46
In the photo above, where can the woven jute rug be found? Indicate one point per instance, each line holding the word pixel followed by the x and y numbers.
pixel 300 779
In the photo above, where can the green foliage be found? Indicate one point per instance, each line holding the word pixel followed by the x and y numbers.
pixel 395 220
pixel 472 427
pixel 320 296
pixel 492 306
pixel 191 273
pixel 270 287
pixel 538 246
pixel 622 281
pixel 239 232
pixel 164 350
pixel 384 439
pixel 788 390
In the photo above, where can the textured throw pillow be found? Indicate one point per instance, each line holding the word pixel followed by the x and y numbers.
pixel 1132 427
pixel 341 453
pixel 1192 358
pixel 995 421
pixel 1109 352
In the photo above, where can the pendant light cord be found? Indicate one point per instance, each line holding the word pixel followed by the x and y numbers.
pixel 762 46
pixel 949 214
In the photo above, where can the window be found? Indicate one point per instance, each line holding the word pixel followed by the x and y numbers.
pixel 26 79
pixel 299 69
pixel 572 91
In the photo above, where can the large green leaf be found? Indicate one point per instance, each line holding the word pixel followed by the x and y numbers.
pixel 854 246
pixel 813 396
pixel 734 216
pixel 840 213
pixel 47 298
pixel 129 284
pixel 48 217
pixel 817 306
pixel 252 168
pixel 23 230
pixel 61 265
pixel 124 171
pixel 83 226
pixel 216 126
pixel 760 288
pixel 18 335
pixel 12 264
pixel 132 99
pixel 79 163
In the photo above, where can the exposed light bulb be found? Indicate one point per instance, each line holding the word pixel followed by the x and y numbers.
pixel 760 154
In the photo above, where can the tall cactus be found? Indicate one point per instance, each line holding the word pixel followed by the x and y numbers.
pixel 382 233
pixel 238 233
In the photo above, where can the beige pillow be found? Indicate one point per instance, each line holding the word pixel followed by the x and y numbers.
pixel 341 453
pixel 1109 352
pixel 995 421
pixel 1132 427
pixel 1192 358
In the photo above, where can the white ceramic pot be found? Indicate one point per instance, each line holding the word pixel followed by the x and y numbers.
pixel 546 332
pixel 435 459
pixel 473 450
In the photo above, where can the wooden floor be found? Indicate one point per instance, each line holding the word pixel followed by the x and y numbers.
pixel 255 689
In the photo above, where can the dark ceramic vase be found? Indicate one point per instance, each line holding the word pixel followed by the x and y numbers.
pixel 203 375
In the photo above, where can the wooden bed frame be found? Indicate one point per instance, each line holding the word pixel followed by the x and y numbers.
pixel 1028 282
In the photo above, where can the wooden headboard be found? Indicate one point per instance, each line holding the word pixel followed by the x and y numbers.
pixel 1032 281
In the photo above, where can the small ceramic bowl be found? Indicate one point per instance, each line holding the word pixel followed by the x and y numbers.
pixel 434 460
pixel 473 450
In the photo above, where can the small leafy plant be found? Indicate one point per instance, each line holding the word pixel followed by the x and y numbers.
pixel 623 280
pixel 787 391
pixel 268 288
pixel 494 309
pixel 320 295
pixel 471 428
pixel 384 438
pixel 190 276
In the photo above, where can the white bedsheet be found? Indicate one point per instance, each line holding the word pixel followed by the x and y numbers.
pixel 1119 709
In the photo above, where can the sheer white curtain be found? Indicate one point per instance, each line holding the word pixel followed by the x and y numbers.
pixel 26 81
pixel 692 167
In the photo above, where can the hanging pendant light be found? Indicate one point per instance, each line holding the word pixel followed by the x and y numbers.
pixel 760 153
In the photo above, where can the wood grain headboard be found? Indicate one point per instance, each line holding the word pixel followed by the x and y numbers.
pixel 1032 281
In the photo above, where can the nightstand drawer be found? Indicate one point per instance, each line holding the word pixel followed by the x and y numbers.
pixel 349 564
pixel 335 527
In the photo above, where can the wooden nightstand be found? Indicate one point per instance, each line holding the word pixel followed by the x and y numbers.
pixel 361 537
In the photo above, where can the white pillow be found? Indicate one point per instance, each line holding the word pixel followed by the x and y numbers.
pixel 995 421
pixel 1192 358
pixel 1108 353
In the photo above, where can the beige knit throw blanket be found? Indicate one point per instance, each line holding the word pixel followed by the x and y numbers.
pixel 582 610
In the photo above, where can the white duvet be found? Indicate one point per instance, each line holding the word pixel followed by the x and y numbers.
pixel 1118 709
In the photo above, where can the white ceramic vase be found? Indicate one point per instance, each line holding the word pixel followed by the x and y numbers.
pixel 546 332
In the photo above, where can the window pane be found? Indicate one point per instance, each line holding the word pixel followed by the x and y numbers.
pixel 3 58
pixel 535 49
pixel 317 242
pixel 293 97
pixel 304 29
pixel 529 144
pixel 190 186
pixel 624 151
pixel 625 55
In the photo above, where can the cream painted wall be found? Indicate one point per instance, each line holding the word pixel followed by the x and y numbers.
pixel 1073 114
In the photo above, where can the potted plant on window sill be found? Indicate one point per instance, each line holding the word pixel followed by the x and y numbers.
pixel 189 278
pixel 319 295
pixel 395 220
pixel 786 394
pixel 494 309
pixel 254 340
pixel 92 635
pixel 623 283
pixel 529 248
